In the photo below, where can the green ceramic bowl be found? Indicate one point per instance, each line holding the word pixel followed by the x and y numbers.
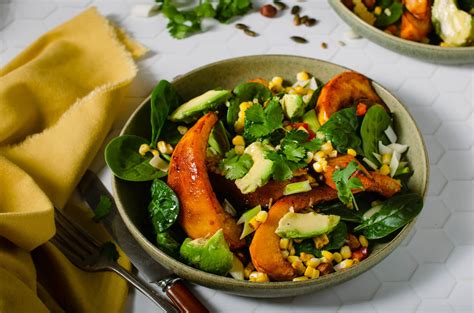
pixel 430 53
pixel 132 198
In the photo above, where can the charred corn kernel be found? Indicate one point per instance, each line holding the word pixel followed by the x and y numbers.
pixel 262 278
pixel 239 124
pixel 144 148
pixel 164 148
pixel 309 93
pixel 299 90
pixel 378 10
pixel 290 244
pixel 352 152
pixel 182 129
pixel 248 270
pixel 239 149
pixel 302 76
pixel 361 10
pixel 355 261
pixel 284 243
pixel 386 158
pixel 328 255
pixel 292 251
pixel 261 216
pixel 305 257
pixel 343 265
pixel 318 156
pixel 154 152
pixel 293 258
pixel 254 223
pixel 309 271
pixel 320 241
pixel 288 127
pixel 238 141
pixel 313 262
pixel 300 278
pixel 332 154
pixel 318 167
pixel 315 274
pixel 309 157
pixel 285 253
pixel 384 169
pixel 327 147
pixel 346 252
pixel 299 267
pixel 337 257
pixel 363 241
pixel 277 80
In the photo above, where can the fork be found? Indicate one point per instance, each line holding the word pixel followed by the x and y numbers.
pixel 83 251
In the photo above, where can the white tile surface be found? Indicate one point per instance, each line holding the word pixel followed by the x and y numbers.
pixel 432 271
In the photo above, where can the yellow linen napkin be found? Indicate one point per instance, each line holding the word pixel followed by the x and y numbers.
pixel 58 100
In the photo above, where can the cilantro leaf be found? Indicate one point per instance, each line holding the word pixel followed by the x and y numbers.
pixel 294 152
pixel 109 250
pixel 260 122
pixel 103 208
pixel 295 145
pixel 227 9
pixel 235 166
pixel 341 130
pixel 281 167
pixel 345 184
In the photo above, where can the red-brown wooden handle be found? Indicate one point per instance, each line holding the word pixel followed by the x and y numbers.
pixel 184 299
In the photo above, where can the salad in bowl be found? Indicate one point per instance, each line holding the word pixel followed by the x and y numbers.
pixel 275 180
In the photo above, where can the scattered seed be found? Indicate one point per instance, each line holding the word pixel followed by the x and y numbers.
pixel 304 19
pixel 298 39
pixel 250 33
pixel 324 45
pixel 241 26
pixel 310 22
pixel 341 43
pixel 296 9
pixel 296 20
pixel 280 5
pixel 268 10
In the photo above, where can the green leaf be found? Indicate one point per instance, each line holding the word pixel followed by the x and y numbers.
pixel 341 130
pixel 180 23
pixel 164 206
pixel 344 183
pixel 260 122
pixel 235 166
pixel 109 250
pixel 168 244
pixel 282 168
pixel 164 99
pixel 227 9
pixel 340 209
pixel 383 20
pixel 337 237
pixel 251 91
pixel 396 212
pixel 103 208
pixel 123 159
pixel 375 122
pixel 170 134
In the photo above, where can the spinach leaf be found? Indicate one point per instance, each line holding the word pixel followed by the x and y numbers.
pixel 250 91
pixel 168 244
pixel 170 134
pixel 103 208
pixel 233 112
pixel 384 20
pixel 340 209
pixel 123 159
pixel 307 246
pixel 466 5
pixel 341 130
pixel 164 206
pixel 375 122
pixel 164 99
pixel 337 237
pixel 396 212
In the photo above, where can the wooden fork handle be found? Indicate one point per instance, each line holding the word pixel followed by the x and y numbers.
pixel 183 298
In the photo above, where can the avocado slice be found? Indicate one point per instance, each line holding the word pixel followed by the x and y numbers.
pixel 218 139
pixel 453 25
pixel 311 119
pixel 293 106
pixel 260 172
pixel 190 111
pixel 305 225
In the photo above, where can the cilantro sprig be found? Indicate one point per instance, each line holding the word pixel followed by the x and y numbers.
pixel 345 183
pixel 235 166
pixel 261 122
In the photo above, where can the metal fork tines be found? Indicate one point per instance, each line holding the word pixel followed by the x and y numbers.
pixel 84 251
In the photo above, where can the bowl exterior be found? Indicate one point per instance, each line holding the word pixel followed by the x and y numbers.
pixel 226 74
pixel 426 52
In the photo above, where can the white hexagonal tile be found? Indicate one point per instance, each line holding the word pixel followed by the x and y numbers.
pixel 460 263
pixel 222 299
pixel 61 15
pixel 353 59
pixel 6 15
pixel 427 120
pixel 241 44
pixel 170 65
pixel 455 135
pixel 461 297
pixel 437 181
pixel 434 214
pixel 326 22
pixel 457 164
pixel 435 150
pixel 8 55
pixel 271 305
pixel 73 3
pixel 451 78
pixel 350 291
pixel 391 82
pixel 320 301
pixel 210 52
pixel 458 195
pixel 395 297
pixel 432 281
pixel 453 106
pixel 381 55
pixel 434 306
pixel 459 228
pixel 340 34
pixel 416 68
pixel 430 245
pixel 112 9
pixel 398 266
pixel 30 30
pixel 409 237
pixel 418 92
pixel 357 307
pixel 142 27
pixel 34 9
pixel 142 85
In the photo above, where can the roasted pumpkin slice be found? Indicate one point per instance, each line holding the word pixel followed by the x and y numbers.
pixel 265 246
pixel 413 28
pixel 344 90
pixel 201 214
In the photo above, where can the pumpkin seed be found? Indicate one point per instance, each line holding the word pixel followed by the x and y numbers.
pixel 296 9
pixel 324 45
pixel 298 39
pixel 310 22
pixel 280 5
pixel 296 20
pixel 250 33
pixel 241 26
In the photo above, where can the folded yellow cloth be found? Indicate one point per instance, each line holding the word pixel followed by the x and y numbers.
pixel 58 100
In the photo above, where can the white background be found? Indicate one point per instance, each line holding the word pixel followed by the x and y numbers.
pixel 433 269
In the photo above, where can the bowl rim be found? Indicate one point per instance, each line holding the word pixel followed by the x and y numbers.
pixel 222 280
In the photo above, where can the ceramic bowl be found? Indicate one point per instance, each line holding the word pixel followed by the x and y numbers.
pixel 132 198
pixel 430 53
